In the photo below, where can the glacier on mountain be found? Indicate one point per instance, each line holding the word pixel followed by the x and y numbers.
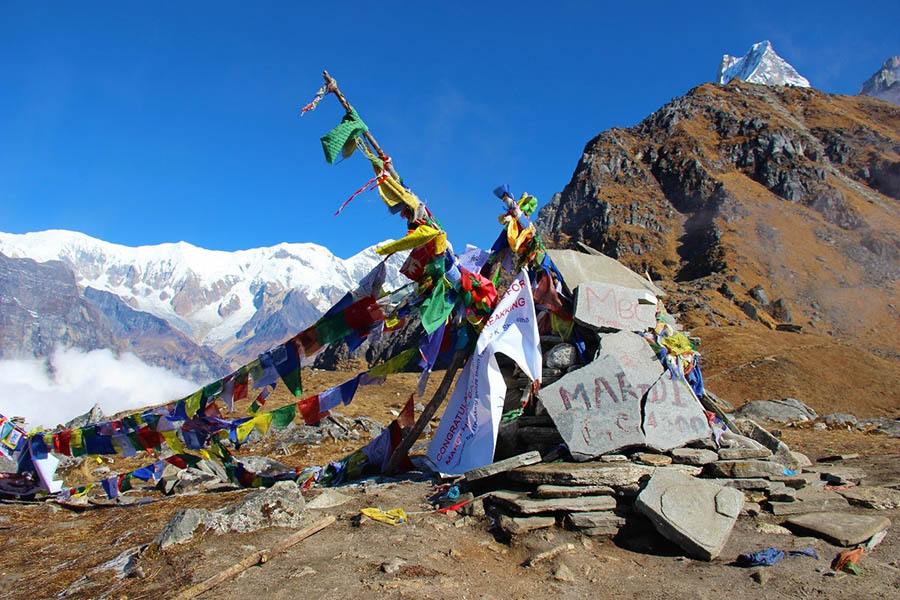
pixel 760 65
pixel 209 295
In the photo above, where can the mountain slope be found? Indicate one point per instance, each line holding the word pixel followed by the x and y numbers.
pixel 885 83
pixel 214 298
pixel 760 65
pixel 754 206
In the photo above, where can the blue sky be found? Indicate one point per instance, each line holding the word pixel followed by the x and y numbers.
pixel 142 123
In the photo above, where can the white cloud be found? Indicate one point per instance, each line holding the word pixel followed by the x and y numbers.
pixel 75 380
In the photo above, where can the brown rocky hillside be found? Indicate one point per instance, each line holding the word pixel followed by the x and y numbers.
pixel 756 206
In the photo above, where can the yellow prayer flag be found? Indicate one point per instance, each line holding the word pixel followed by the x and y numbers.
pixel 395 516
pixel 418 237
pixel 262 422
pixel 393 193
pixel 244 430
pixel 192 403
pixel 173 442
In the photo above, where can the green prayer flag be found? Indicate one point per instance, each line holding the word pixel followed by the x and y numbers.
pixel 334 141
pixel 436 309
pixel 396 364
pixel 282 417
pixel 332 329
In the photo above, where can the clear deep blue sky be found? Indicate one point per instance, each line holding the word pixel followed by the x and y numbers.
pixel 141 123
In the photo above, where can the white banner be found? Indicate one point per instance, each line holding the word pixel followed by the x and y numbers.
pixel 467 433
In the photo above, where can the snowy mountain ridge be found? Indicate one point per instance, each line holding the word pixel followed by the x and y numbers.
pixel 759 65
pixel 209 295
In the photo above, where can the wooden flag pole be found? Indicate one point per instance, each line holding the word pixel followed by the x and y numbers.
pixel 459 358
pixel 333 88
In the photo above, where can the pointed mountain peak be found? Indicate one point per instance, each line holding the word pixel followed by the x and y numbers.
pixel 885 83
pixel 760 65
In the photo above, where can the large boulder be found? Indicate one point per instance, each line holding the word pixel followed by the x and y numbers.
pixel 786 410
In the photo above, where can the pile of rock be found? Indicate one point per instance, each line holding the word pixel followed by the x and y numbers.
pixel 691 495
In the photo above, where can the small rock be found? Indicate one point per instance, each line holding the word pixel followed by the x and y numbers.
pixel 839 457
pixel 779 411
pixel 564 574
pixel 839 419
pixel 392 566
pixel 561 356
pixel 751 509
pixel 519 525
pixel 840 528
pixel 182 526
pixel 761 576
pixel 800 460
pixel 263 465
pixel 328 499
pixel 741 453
pixel 654 460
pixel 759 294
pixel 772 529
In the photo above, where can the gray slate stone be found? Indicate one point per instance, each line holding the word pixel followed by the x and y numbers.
pixel 744 469
pixel 839 419
pixel 578 267
pixel 751 483
pixel 263 465
pixel 519 525
pixel 740 453
pixel 696 514
pixel 777 411
pixel 281 505
pixel 878 498
pixel 779 449
pixel 521 503
pixel 606 306
pixel 572 491
pixel 601 523
pixel 194 481
pixel 598 409
pixel 182 527
pixel 652 459
pixel 840 528
pixel 693 456
pixel 837 475
pixel 809 500
pixel 501 466
pixel 610 474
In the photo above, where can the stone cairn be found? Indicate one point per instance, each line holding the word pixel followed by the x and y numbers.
pixel 621 442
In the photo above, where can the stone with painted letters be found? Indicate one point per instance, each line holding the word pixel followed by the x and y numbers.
pixel 597 409
pixel 605 306
pixel 672 415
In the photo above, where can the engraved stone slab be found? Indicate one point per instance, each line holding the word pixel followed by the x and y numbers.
pixel 672 415
pixel 607 306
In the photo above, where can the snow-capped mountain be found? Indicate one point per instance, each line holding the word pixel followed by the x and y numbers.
pixel 217 299
pixel 885 83
pixel 760 65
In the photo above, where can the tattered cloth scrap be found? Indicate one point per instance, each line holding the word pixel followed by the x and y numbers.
pixel 770 556
pixel 846 561
pixel 395 516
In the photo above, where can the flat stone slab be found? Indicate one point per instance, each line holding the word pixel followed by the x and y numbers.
pixel 519 525
pixel 521 503
pixel 744 469
pixel 693 456
pixel 609 474
pixel 809 500
pixel 840 528
pixel 579 267
pixel 654 460
pixel 750 483
pixel 501 466
pixel 608 521
pixel 838 475
pixel 878 498
pixel 696 514
pixel 741 453
pixel 572 491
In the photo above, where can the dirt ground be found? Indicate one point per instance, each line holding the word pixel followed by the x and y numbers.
pixel 446 556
